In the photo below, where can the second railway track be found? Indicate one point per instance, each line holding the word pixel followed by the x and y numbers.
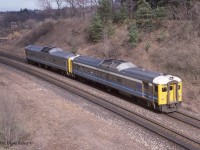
pixel 195 122
pixel 147 123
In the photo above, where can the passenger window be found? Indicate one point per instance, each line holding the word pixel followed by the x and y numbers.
pixel 164 89
pixel 118 79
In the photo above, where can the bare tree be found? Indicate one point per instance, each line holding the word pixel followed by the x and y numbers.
pixel 46 5
pixel 82 4
pixel 71 4
pixel 59 5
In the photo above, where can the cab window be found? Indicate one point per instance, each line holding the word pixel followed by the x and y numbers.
pixel 164 89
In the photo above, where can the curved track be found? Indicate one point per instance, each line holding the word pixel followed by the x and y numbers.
pixel 143 121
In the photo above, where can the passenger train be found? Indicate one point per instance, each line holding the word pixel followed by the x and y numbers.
pixel 162 92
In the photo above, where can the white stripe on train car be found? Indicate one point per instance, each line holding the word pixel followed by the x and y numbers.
pixel 72 58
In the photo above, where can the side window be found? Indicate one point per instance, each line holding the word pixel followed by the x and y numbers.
pixel 156 89
pixel 104 75
pixel 92 71
pixel 119 80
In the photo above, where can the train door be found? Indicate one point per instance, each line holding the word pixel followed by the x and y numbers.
pixel 172 92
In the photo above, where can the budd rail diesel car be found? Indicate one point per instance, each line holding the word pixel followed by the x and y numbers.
pixel 159 91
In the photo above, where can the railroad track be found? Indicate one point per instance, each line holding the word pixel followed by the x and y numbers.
pixel 195 122
pixel 143 121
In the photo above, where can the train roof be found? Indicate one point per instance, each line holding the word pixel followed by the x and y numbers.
pixel 50 50
pixel 88 61
pixel 107 64
pixel 35 48
pixel 62 54
pixel 116 65
pixel 141 74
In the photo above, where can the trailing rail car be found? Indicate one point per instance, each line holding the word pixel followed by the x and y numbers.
pixel 159 91
pixel 48 56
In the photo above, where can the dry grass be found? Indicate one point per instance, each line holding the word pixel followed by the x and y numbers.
pixel 37 32
pixel 180 51
pixel 11 129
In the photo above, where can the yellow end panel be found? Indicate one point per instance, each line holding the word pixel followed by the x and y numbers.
pixel 69 65
pixel 162 96
pixel 180 91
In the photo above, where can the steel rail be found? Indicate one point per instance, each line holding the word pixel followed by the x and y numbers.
pixel 157 128
pixel 186 119
pixel 195 118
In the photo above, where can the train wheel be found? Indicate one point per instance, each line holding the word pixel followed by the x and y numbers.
pixel 108 89
pixel 150 105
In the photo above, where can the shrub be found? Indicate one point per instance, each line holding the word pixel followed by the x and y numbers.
pixel 161 36
pixel 110 29
pixel 96 29
pixel 133 35
pixel 160 14
pixel 144 15
pixel 74 49
pixel 104 10
pixel 148 46
pixel 30 23
pixel 121 15
pixel 101 23
pixel 148 18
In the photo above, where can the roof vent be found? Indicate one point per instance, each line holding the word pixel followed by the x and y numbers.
pixel 46 49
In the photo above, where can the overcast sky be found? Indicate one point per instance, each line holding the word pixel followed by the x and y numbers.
pixel 8 5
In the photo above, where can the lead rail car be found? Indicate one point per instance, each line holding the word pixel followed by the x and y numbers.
pixel 162 92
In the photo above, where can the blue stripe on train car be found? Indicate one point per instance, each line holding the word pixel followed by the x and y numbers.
pixel 114 85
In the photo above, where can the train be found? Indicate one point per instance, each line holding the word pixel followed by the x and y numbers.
pixel 158 91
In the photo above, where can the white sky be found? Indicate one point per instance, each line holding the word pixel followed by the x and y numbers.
pixel 9 5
